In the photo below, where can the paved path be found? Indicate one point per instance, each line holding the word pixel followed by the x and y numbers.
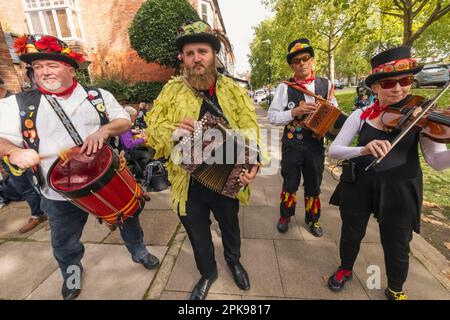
pixel 294 265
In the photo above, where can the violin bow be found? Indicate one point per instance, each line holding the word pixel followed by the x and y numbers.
pixel 410 126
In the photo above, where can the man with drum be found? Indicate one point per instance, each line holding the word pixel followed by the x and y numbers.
pixel 33 133
pixel 302 152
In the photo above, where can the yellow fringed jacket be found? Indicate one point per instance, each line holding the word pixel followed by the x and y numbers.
pixel 177 102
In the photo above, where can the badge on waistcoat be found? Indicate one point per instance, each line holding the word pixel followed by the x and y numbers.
pixel 291 105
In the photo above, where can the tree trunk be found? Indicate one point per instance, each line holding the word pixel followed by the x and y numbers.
pixel 331 66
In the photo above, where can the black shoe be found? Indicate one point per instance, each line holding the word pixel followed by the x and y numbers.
pixel 149 261
pixel 283 224
pixel 201 289
pixel 69 294
pixel 240 276
pixel 394 295
pixel 314 228
pixel 337 281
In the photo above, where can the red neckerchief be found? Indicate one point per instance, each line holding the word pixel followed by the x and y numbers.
pixel 212 89
pixel 373 111
pixel 61 94
pixel 305 82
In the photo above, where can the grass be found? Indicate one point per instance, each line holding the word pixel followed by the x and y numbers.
pixel 346 99
pixel 435 184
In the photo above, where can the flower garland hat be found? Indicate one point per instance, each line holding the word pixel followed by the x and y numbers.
pixel 391 63
pixel 43 47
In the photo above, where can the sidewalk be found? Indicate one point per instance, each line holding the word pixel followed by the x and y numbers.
pixel 294 265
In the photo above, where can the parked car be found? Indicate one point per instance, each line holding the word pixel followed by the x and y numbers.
pixel 260 95
pixel 338 84
pixel 430 75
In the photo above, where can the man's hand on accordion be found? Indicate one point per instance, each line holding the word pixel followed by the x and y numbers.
pixel 304 108
pixel 247 177
pixel 185 128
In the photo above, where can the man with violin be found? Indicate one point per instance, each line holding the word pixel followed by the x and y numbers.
pixel 34 129
pixel 302 151
pixel 390 187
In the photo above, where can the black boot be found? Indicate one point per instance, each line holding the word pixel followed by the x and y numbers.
pixel 240 276
pixel 201 289
pixel 149 261
pixel 69 294
pixel 314 228
pixel 337 281
pixel 283 224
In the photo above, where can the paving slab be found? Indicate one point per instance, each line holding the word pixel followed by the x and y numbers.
pixel 159 200
pixel 12 220
pixel 420 285
pixel 23 267
pixel 109 274
pixel 260 223
pixel 158 227
pixel 305 266
pixel 258 257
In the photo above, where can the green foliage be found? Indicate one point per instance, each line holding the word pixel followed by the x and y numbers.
pixel 353 31
pixel 126 92
pixel 154 29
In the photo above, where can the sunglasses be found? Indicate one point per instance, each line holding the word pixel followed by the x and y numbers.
pixel 391 83
pixel 301 59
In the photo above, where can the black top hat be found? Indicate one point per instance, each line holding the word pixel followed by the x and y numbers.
pixel 391 63
pixel 42 47
pixel 197 32
pixel 299 46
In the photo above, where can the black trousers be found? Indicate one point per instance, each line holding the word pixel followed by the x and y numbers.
pixel 201 201
pixel 395 241
pixel 295 162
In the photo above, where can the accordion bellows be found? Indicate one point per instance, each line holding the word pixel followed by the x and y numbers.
pixel 234 152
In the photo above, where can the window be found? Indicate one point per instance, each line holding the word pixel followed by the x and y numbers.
pixel 206 13
pixel 59 18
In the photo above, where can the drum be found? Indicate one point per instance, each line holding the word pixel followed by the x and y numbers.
pixel 100 184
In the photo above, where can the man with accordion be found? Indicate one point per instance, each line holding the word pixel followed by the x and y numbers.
pixel 302 149
pixel 185 104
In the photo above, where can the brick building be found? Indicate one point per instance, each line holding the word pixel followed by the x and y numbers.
pixel 100 30
pixel 7 71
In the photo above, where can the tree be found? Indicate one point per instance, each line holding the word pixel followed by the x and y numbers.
pixel 155 27
pixel 416 15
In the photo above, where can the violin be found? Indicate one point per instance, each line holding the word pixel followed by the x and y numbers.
pixel 435 124
pixel 417 112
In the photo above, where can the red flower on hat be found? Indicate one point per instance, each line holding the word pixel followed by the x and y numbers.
pixel 20 44
pixel 77 56
pixel 48 43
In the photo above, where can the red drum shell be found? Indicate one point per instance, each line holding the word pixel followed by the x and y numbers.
pixel 98 187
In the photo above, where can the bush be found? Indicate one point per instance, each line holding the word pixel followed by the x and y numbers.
pixel 155 27
pixel 126 92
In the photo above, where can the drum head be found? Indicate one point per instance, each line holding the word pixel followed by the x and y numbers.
pixel 81 171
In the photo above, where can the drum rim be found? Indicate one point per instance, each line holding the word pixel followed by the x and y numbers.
pixel 94 186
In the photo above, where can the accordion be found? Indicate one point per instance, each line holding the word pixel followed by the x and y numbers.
pixel 217 163
pixel 322 119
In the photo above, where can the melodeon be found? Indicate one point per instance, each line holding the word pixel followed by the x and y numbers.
pixel 322 120
pixel 235 151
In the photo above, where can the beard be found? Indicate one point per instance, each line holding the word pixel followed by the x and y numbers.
pixel 51 85
pixel 201 80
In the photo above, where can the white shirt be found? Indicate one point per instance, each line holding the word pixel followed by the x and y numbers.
pixel 52 134
pixel 435 154
pixel 277 115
